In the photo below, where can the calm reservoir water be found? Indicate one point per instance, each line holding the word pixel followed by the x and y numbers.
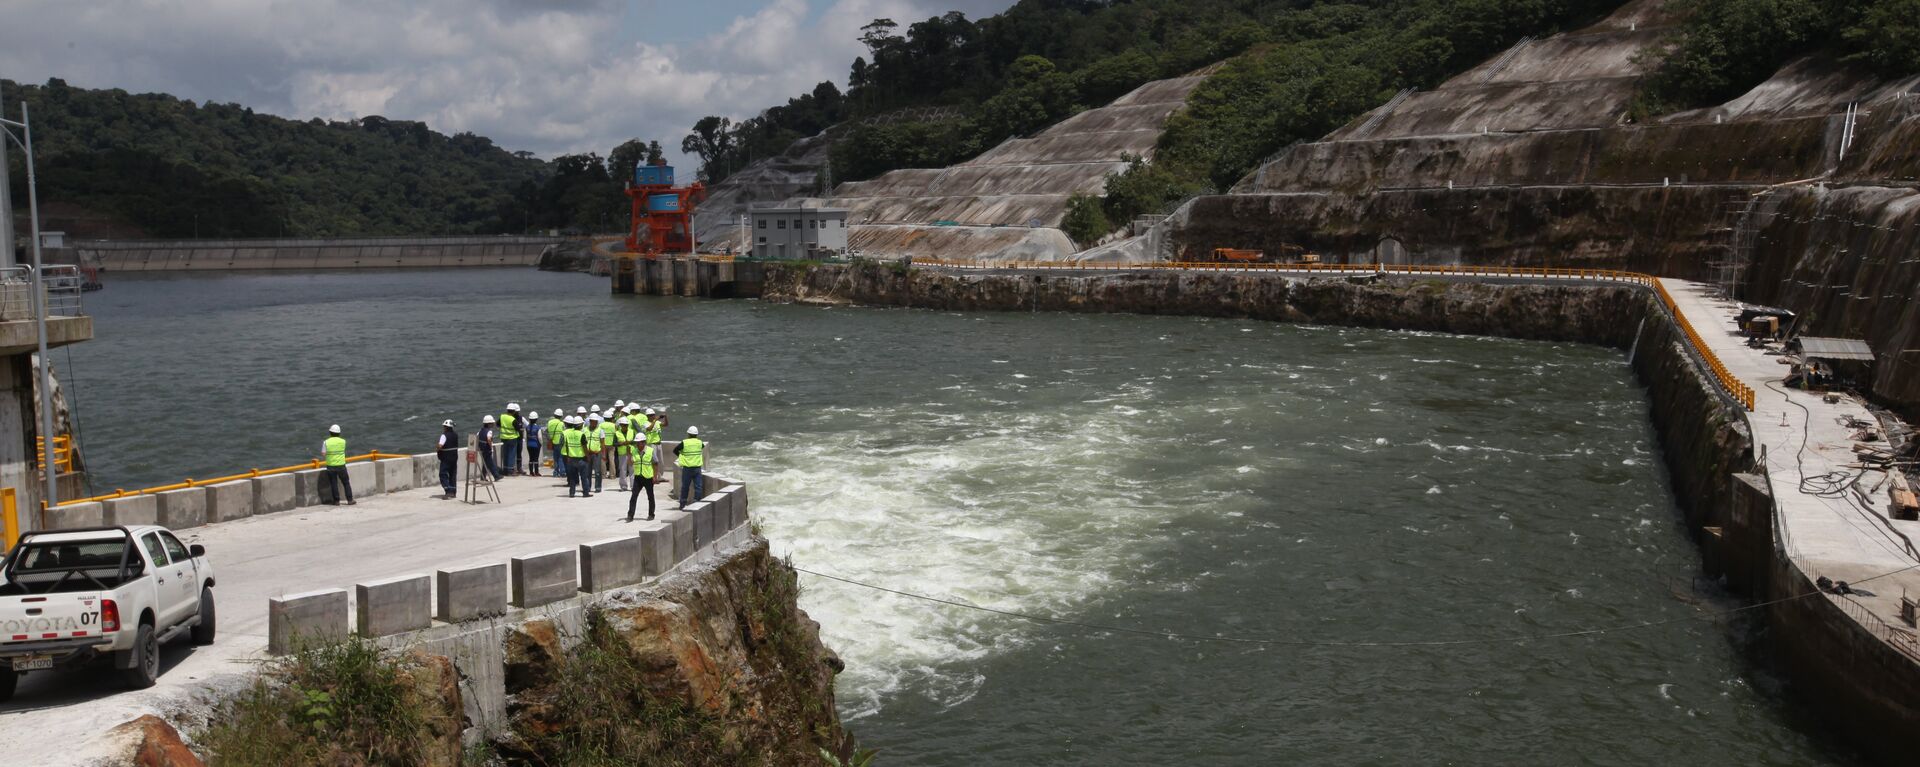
pixel 1205 477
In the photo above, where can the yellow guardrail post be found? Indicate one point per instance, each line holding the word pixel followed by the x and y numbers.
pixel 9 518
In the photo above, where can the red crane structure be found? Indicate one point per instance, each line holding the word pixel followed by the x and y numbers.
pixel 662 212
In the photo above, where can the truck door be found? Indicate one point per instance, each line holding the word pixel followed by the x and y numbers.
pixel 167 581
pixel 190 574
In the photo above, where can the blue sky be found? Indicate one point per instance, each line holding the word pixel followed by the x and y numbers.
pixel 547 76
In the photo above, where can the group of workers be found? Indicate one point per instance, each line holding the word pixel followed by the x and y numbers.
pixel 585 447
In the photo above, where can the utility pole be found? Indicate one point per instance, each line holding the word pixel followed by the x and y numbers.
pixel 39 301
pixel 6 203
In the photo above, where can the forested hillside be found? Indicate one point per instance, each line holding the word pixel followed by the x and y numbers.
pixel 175 168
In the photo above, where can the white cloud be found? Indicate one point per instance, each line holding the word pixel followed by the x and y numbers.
pixel 548 76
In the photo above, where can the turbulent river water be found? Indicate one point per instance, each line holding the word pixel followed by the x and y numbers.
pixel 1331 489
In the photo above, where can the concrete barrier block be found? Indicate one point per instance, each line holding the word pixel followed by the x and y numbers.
pixel 719 484
pixel 682 524
pixel 537 579
pixel 365 478
pixel 396 474
pixel 707 526
pixel 393 605
pixel 180 509
pixel 466 593
pixel 611 563
pixel 312 616
pixel 72 515
pixel 132 510
pixel 740 505
pixel 310 488
pixel 230 500
pixel 733 504
pixel 426 470
pixel 656 548
pixel 274 493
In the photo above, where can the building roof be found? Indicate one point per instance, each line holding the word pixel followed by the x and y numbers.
pixel 789 211
pixel 1835 348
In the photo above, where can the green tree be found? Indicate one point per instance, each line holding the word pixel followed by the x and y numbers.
pixel 1085 220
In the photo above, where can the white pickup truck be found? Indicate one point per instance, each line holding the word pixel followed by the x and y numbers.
pixel 71 597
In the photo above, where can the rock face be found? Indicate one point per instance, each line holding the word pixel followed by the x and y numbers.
pixel 720 669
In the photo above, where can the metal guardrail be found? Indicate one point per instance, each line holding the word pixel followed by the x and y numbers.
pixel 315 242
pixel 63 285
pixel 62 453
pixel 249 474
pixel 1732 385
pixel 1902 640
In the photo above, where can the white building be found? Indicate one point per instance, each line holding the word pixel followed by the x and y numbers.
pixel 798 232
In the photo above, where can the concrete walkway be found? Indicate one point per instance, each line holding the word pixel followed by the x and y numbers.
pixel 57 718
pixel 1831 536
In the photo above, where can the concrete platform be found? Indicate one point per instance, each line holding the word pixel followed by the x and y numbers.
pixel 1822 535
pixel 304 550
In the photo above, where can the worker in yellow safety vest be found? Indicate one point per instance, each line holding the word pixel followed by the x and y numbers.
pixel 510 439
pixel 642 478
pixel 334 449
pixel 573 446
pixel 595 474
pixel 693 460
pixel 655 422
pixel 554 436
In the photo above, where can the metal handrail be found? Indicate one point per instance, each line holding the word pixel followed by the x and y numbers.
pixel 249 474
pixel 64 286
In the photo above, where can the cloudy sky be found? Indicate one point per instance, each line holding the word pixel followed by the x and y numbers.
pixel 547 76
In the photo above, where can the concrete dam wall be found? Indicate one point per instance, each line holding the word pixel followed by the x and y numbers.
pixel 329 253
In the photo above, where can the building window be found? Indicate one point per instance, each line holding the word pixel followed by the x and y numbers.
pixel 782 223
pixel 813 223
pixel 763 223
pixel 796 223
pixel 763 241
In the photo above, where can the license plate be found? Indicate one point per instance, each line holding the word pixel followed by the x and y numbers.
pixel 33 663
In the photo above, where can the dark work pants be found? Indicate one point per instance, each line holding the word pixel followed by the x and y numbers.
pixel 576 475
pixel 634 500
pixel 533 458
pixel 337 481
pixel 449 464
pixel 691 485
pixel 486 459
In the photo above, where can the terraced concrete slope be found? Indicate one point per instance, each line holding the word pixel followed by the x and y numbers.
pixel 1008 202
pixel 769 180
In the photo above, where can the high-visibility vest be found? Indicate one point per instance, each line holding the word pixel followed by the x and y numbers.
pixel 609 437
pixel 574 443
pixel 693 453
pixel 624 441
pixel 509 426
pixel 653 433
pixel 593 439
pixel 556 429
pixel 646 462
pixel 336 451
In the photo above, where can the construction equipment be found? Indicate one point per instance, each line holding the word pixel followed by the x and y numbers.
pixel 1237 254
pixel 662 213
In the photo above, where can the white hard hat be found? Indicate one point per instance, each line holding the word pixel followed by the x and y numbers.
pixel 619 402
pixel 568 420
pixel 649 411
pixel 632 406
pixel 693 431
pixel 593 408
pixel 534 414
pixel 581 410
pixel 513 407
pixel 593 416
pixel 488 419
pixel 447 423
pixel 334 429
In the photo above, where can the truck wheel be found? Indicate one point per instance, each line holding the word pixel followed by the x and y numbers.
pixel 7 679
pixel 203 632
pixel 146 660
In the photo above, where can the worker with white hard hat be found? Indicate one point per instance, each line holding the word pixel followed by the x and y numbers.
pixel 484 443
pixel 573 447
pixel 656 425
pixel 534 436
pixel 693 463
pixel 594 476
pixel 448 450
pixel 510 443
pixel 623 434
pixel 334 450
pixel 554 432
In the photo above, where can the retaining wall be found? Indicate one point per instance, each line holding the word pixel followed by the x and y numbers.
pixel 353 253
pixel 465 612
pixel 238 499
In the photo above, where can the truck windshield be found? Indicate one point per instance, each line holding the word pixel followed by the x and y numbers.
pixel 70 556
